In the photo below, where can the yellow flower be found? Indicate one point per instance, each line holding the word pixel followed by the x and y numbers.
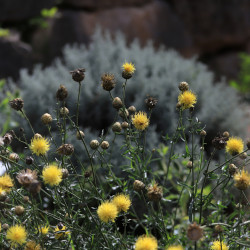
pixel 17 235
pixel 219 245
pixel 140 120
pixel 52 175
pixel 107 211
pixel 146 243
pixel 6 183
pixel 234 146
pixel 61 233
pixel 187 99
pixel 32 245
pixel 128 68
pixel 242 180
pixel 39 145
pixel 43 230
pixel 122 202
pixel 179 247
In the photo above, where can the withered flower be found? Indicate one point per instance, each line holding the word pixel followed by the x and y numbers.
pixel 65 149
pixel 155 192
pixel 61 93
pixel 78 75
pixel 7 139
pixel 26 177
pixel 220 142
pixel 16 104
pixel 108 81
pixel 35 187
pixel 194 232
pixel 151 102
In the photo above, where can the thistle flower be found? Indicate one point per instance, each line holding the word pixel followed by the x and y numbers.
pixel 178 247
pixel 46 118
pixel 61 93
pixel 187 99
pixel 154 192
pixel 6 182
pixel 43 230
pixel 107 211
pixel 32 245
pixel 52 175
pixel 17 235
pixel 78 74
pixel 151 102
pixel 219 245
pixel 220 142
pixel 26 177
pixel 234 146
pixel 16 104
pixel 65 149
pixel 128 70
pixel 122 202
pixel 39 146
pixel 146 242
pixel 61 232
pixel 108 81
pixel 242 180
pixel 194 232
pixel 140 120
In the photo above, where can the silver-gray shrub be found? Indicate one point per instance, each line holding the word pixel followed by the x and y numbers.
pixel 158 73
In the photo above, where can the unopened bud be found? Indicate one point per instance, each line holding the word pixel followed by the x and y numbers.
pixel 226 134
pixel 138 185
pixel 19 210
pixel 183 86
pixel 117 103
pixel 46 118
pixel 14 157
pixel 80 135
pixel 117 128
pixel 94 144
pixel 105 145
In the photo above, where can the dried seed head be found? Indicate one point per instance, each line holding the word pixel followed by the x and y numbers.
pixel 220 142
pixel 125 125
pixel 203 133
pixel 19 210
pixel 108 81
pixel 226 134
pixel 123 113
pixel 218 228
pixel 248 143
pixel 105 145
pixel 26 177
pixel 35 187
pixel 46 118
pixel 5 226
pixel 16 104
pixel 78 75
pixel 117 103
pixel 132 109
pixel 154 192
pixel 61 93
pixel 116 127
pixel 64 111
pixel 65 173
pixel 29 160
pixel 183 86
pixel 194 232
pixel 232 169
pixel 26 199
pixel 14 157
pixel 151 102
pixel 94 144
pixel 138 185
pixel 80 135
pixel 7 139
pixel 65 149
pixel 190 165
pixel 243 156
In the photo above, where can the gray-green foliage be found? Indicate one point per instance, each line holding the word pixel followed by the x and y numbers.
pixel 158 73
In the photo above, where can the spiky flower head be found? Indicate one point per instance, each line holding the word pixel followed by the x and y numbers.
pixel 108 81
pixel 43 230
pixel 140 120
pixel 194 232
pixel 155 192
pixel 146 242
pixel 187 99
pixel 62 93
pixel 234 146
pixel 61 232
pixel 242 180
pixel 26 177
pixel 219 245
pixel 128 70
pixel 16 104
pixel 177 247
pixel 65 149
pixel 32 245
pixel 39 145
pixel 107 211
pixel 78 75
pixel 52 175
pixel 122 202
pixel 17 235
pixel 6 182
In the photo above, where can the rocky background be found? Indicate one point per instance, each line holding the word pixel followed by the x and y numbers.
pixel 215 31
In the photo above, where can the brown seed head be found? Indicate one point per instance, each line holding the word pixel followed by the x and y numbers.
pixel 16 104
pixel 183 86
pixel 14 157
pixel 232 169
pixel 117 103
pixel 7 139
pixel 155 192
pixel 19 210
pixel 138 185
pixel 94 144
pixel 35 187
pixel 78 75
pixel 194 232
pixel 108 81
pixel 105 145
pixel 151 102
pixel 87 174
pixel 46 118
pixel 116 127
pixel 220 142
pixel 65 149
pixel 26 177
pixel 80 135
pixel 61 93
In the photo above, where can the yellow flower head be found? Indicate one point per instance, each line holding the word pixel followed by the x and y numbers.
pixel 6 183
pixel 187 99
pixel 242 180
pixel 219 245
pixel 17 235
pixel 39 145
pixel 122 202
pixel 128 68
pixel 32 245
pixel 43 230
pixel 52 175
pixel 179 247
pixel 146 242
pixel 61 233
pixel 234 146
pixel 140 120
pixel 107 211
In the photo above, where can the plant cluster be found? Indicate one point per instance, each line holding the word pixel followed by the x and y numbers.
pixel 160 199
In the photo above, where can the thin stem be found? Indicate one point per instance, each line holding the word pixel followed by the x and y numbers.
pixel 78 104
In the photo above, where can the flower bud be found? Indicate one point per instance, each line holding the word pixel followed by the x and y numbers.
pixel 132 109
pixel 190 165
pixel 125 125
pixel 14 157
pixel 94 144
pixel 78 75
pixel 138 185
pixel 61 93
pixel 64 111
pixel 243 156
pixel 108 81
pixel 5 226
pixel 116 127
pixel 26 199
pixel 123 113
pixel 29 160
pixel 46 118
pixel 7 139
pixel 218 228
pixel 117 103
pixel 203 133
pixel 17 104
pixel 19 210
pixel 65 173
pixel 80 135
pixel 183 86
pixel 154 192
pixel 226 134
pixel 105 145
pixel 65 149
